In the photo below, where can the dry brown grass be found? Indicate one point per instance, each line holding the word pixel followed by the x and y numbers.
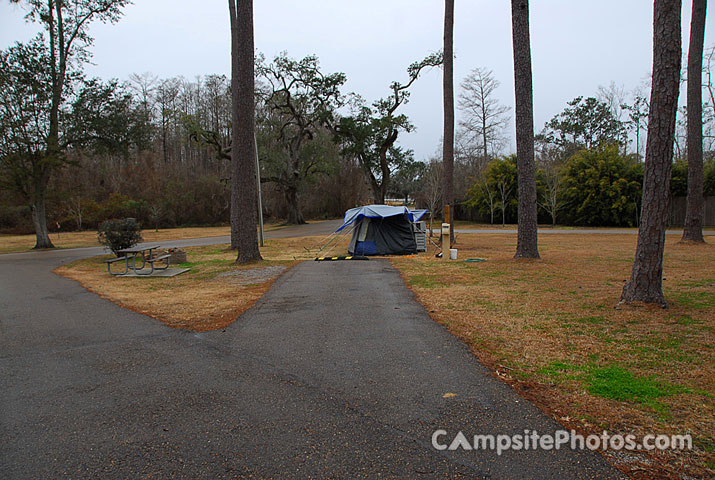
pixel 23 243
pixel 205 298
pixel 551 328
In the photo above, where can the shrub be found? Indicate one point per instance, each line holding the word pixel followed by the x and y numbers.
pixel 119 234
pixel 602 188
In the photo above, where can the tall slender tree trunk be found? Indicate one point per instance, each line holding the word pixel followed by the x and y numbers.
pixel 243 149
pixel 484 136
pixel 39 213
pixel 693 228
pixel 527 242
pixel 646 282
pixel 448 90
pixel 52 153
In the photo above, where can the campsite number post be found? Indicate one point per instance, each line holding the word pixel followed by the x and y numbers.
pixel 445 241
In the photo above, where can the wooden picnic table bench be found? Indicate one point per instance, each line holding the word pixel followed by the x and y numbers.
pixel 112 260
pixel 147 256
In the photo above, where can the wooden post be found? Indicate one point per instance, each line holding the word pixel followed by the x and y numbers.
pixel 261 237
pixel 445 241
pixel 448 220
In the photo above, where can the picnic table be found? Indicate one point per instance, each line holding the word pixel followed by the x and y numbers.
pixel 130 256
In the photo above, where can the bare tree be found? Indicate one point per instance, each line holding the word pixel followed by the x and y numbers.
pixel 527 241
pixel 432 189
pixel 483 117
pixel 166 95
pixel 469 153
pixel 489 197
pixel 448 90
pixel 144 86
pixel 504 189
pixel 637 117
pixel 693 228
pixel 243 144
pixel 615 97
pixel 551 164
pixel 646 282
pixel 551 197
pixel 709 105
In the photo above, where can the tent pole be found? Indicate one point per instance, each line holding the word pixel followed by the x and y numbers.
pixel 340 234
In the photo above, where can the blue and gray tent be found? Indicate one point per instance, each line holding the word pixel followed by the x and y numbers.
pixel 382 230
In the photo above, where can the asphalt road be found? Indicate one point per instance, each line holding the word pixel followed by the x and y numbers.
pixel 336 373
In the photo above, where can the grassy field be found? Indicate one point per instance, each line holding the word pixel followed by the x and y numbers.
pixel 24 243
pixel 552 328
pixel 463 224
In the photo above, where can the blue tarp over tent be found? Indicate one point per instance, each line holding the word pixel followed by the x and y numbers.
pixel 382 230
pixel 379 211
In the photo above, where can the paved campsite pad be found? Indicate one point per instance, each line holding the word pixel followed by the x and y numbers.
pixel 337 372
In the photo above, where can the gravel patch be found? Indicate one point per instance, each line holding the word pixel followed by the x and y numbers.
pixel 253 275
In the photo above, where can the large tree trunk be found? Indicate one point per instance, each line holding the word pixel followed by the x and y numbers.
pixel 378 194
pixel 290 190
pixel 448 90
pixel 646 283
pixel 39 217
pixel 693 228
pixel 527 242
pixel 243 147
pixel 381 194
pixel 295 215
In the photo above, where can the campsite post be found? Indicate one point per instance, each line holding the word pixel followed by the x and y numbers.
pixel 445 241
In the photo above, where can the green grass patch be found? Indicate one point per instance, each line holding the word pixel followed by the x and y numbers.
pixel 694 299
pixel 614 382
pixel 707 445
pixel 687 320
pixel 536 326
pixel 706 282
pixel 559 369
pixel 617 383
pixel 425 281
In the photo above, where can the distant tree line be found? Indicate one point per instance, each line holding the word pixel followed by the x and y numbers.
pixel 159 150
pixel 589 157
pixel 163 155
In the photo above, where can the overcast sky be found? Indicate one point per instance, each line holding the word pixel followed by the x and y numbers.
pixel 576 46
